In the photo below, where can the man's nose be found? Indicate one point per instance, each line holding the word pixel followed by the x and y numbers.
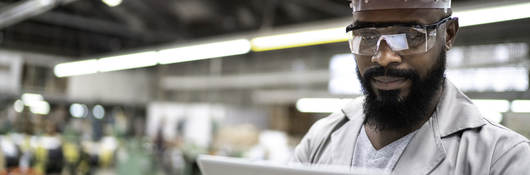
pixel 385 56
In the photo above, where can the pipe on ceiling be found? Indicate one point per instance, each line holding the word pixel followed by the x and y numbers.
pixel 17 12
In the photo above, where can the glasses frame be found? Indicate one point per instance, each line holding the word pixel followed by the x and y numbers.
pixel 435 25
pixel 427 28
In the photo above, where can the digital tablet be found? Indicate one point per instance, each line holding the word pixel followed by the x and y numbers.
pixel 218 165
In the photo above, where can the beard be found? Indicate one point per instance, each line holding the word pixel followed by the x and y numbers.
pixel 387 110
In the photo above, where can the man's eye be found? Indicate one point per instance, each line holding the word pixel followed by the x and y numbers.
pixel 415 35
pixel 370 37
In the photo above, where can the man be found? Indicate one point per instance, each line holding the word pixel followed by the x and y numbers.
pixel 411 119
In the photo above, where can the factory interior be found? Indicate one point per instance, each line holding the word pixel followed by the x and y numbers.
pixel 104 87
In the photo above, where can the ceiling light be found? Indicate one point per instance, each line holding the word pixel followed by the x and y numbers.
pixel 204 51
pixel 492 105
pixel 29 98
pixel 18 105
pixel 320 105
pixel 151 58
pixel 492 109
pixel 342 74
pixel 493 14
pixel 489 79
pixel 46 2
pixel 130 61
pixel 299 39
pixel 78 110
pixel 76 68
pixel 112 3
pixel 40 107
pixel 98 111
pixel 521 106
pixel 35 102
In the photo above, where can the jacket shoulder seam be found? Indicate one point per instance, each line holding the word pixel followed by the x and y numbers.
pixel 508 150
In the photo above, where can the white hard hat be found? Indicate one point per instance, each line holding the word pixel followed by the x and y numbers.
pixel 364 5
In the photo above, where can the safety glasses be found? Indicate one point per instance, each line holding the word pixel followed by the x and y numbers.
pixel 405 39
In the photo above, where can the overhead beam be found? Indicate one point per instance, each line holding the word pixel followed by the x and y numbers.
pixel 39 10
pixel 157 19
pixel 17 12
pixel 100 26
pixel 325 6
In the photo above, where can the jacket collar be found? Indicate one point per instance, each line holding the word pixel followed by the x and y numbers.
pixel 343 140
pixel 354 109
pixel 456 112
pixel 425 152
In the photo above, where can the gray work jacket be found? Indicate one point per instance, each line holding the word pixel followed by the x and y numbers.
pixel 455 140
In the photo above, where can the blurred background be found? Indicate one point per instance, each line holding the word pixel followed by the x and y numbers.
pixel 144 86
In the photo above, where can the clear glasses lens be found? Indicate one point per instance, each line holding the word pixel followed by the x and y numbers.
pixel 403 40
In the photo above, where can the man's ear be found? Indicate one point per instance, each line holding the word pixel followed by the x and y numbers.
pixel 450 33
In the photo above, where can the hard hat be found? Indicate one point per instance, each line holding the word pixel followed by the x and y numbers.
pixel 364 5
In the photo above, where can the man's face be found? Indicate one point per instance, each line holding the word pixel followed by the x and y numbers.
pixel 399 88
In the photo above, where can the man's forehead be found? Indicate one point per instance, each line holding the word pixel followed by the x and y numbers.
pixel 417 16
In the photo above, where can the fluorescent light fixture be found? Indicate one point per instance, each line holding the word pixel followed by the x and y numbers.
pixel 320 105
pixel 130 61
pixel 492 109
pixel 112 3
pixel 78 110
pixel 521 106
pixel 46 2
pixel 490 54
pixel 492 104
pixel 490 79
pixel 204 51
pixel 98 111
pixel 106 64
pixel 76 68
pixel 493 14
pixel 40 107
pixel 36 103
pixel 28 98
pixel 151 58
pixel 18 105
pixel 299 39
pixel 343 78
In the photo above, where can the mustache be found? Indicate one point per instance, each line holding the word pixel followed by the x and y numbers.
pixel 382 71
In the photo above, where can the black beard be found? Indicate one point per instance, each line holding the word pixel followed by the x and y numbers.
pixel 389 111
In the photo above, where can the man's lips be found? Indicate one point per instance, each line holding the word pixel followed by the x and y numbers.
pixel 389 83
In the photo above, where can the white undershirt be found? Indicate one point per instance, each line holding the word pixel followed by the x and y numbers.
pixel 366 156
